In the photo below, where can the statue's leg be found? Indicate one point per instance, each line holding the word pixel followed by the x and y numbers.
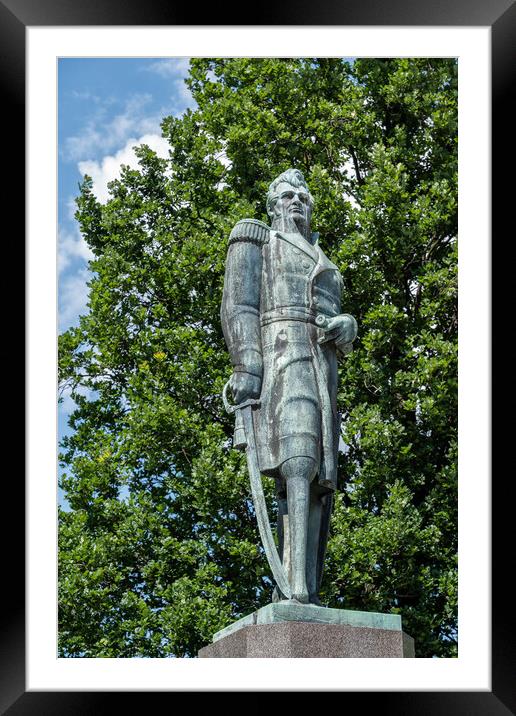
pixel 298 473
pixel 314 529
pixel 321 502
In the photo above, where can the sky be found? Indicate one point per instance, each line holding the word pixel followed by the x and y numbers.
pixel 106 106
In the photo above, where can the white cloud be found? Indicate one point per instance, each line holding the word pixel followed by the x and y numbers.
pixel 68 404
pixel 175 70
pixel 171 67
pixel 86 96
pixel 73 297
pixel 71 245
pixel 347 169
pixel 343 447
pixel 223 158
pixel 71 208
pixel 182 97
pixel 108 168
pixel 100 135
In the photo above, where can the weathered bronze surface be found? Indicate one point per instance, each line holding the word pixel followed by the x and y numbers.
pixel 281 317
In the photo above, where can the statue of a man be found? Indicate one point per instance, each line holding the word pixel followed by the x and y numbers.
pixel 282 321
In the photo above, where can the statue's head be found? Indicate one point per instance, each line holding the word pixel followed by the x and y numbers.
pixel 289 203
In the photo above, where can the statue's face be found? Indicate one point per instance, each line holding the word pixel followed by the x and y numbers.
pixel 293 205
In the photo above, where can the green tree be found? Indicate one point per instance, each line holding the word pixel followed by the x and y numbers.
pixel 160 548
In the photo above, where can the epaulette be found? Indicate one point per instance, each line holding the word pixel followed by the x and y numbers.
pixel 250 230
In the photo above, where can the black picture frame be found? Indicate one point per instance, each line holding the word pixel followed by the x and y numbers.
pixel 500 16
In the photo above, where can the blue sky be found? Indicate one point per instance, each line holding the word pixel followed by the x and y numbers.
pixel 105 107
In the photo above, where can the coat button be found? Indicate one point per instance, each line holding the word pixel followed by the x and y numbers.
pixel 306 265
pixel 334 306
pixel 316 299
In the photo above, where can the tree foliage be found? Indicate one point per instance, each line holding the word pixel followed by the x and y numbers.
pixel 159 548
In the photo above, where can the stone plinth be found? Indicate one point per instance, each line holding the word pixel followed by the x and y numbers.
pixel 290 630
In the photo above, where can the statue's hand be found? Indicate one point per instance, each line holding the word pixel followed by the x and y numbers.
pixel 342 329
pixel 245 386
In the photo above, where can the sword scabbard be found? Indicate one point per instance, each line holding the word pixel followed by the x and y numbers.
pixel 245 421
pixel 260 507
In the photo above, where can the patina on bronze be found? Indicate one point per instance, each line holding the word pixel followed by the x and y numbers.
pixel 282 321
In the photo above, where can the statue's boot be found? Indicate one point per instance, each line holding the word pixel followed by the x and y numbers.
pixel 298 473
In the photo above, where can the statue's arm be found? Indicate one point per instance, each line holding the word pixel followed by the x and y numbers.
pixel 240 310
pixel 341 329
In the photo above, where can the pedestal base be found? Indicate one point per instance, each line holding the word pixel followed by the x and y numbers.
pixel 290 630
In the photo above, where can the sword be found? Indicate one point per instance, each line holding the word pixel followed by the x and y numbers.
pixel 260 508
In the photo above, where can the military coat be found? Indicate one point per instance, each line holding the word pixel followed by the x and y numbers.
pixel 278 287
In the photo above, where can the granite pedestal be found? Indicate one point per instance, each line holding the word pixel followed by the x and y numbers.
pixel 290 630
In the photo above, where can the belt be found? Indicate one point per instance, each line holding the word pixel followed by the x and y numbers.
pixel 288 313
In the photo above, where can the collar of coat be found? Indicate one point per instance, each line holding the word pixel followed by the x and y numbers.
pixel 314 251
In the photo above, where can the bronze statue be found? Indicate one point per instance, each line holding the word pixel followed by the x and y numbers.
pixel 282 321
